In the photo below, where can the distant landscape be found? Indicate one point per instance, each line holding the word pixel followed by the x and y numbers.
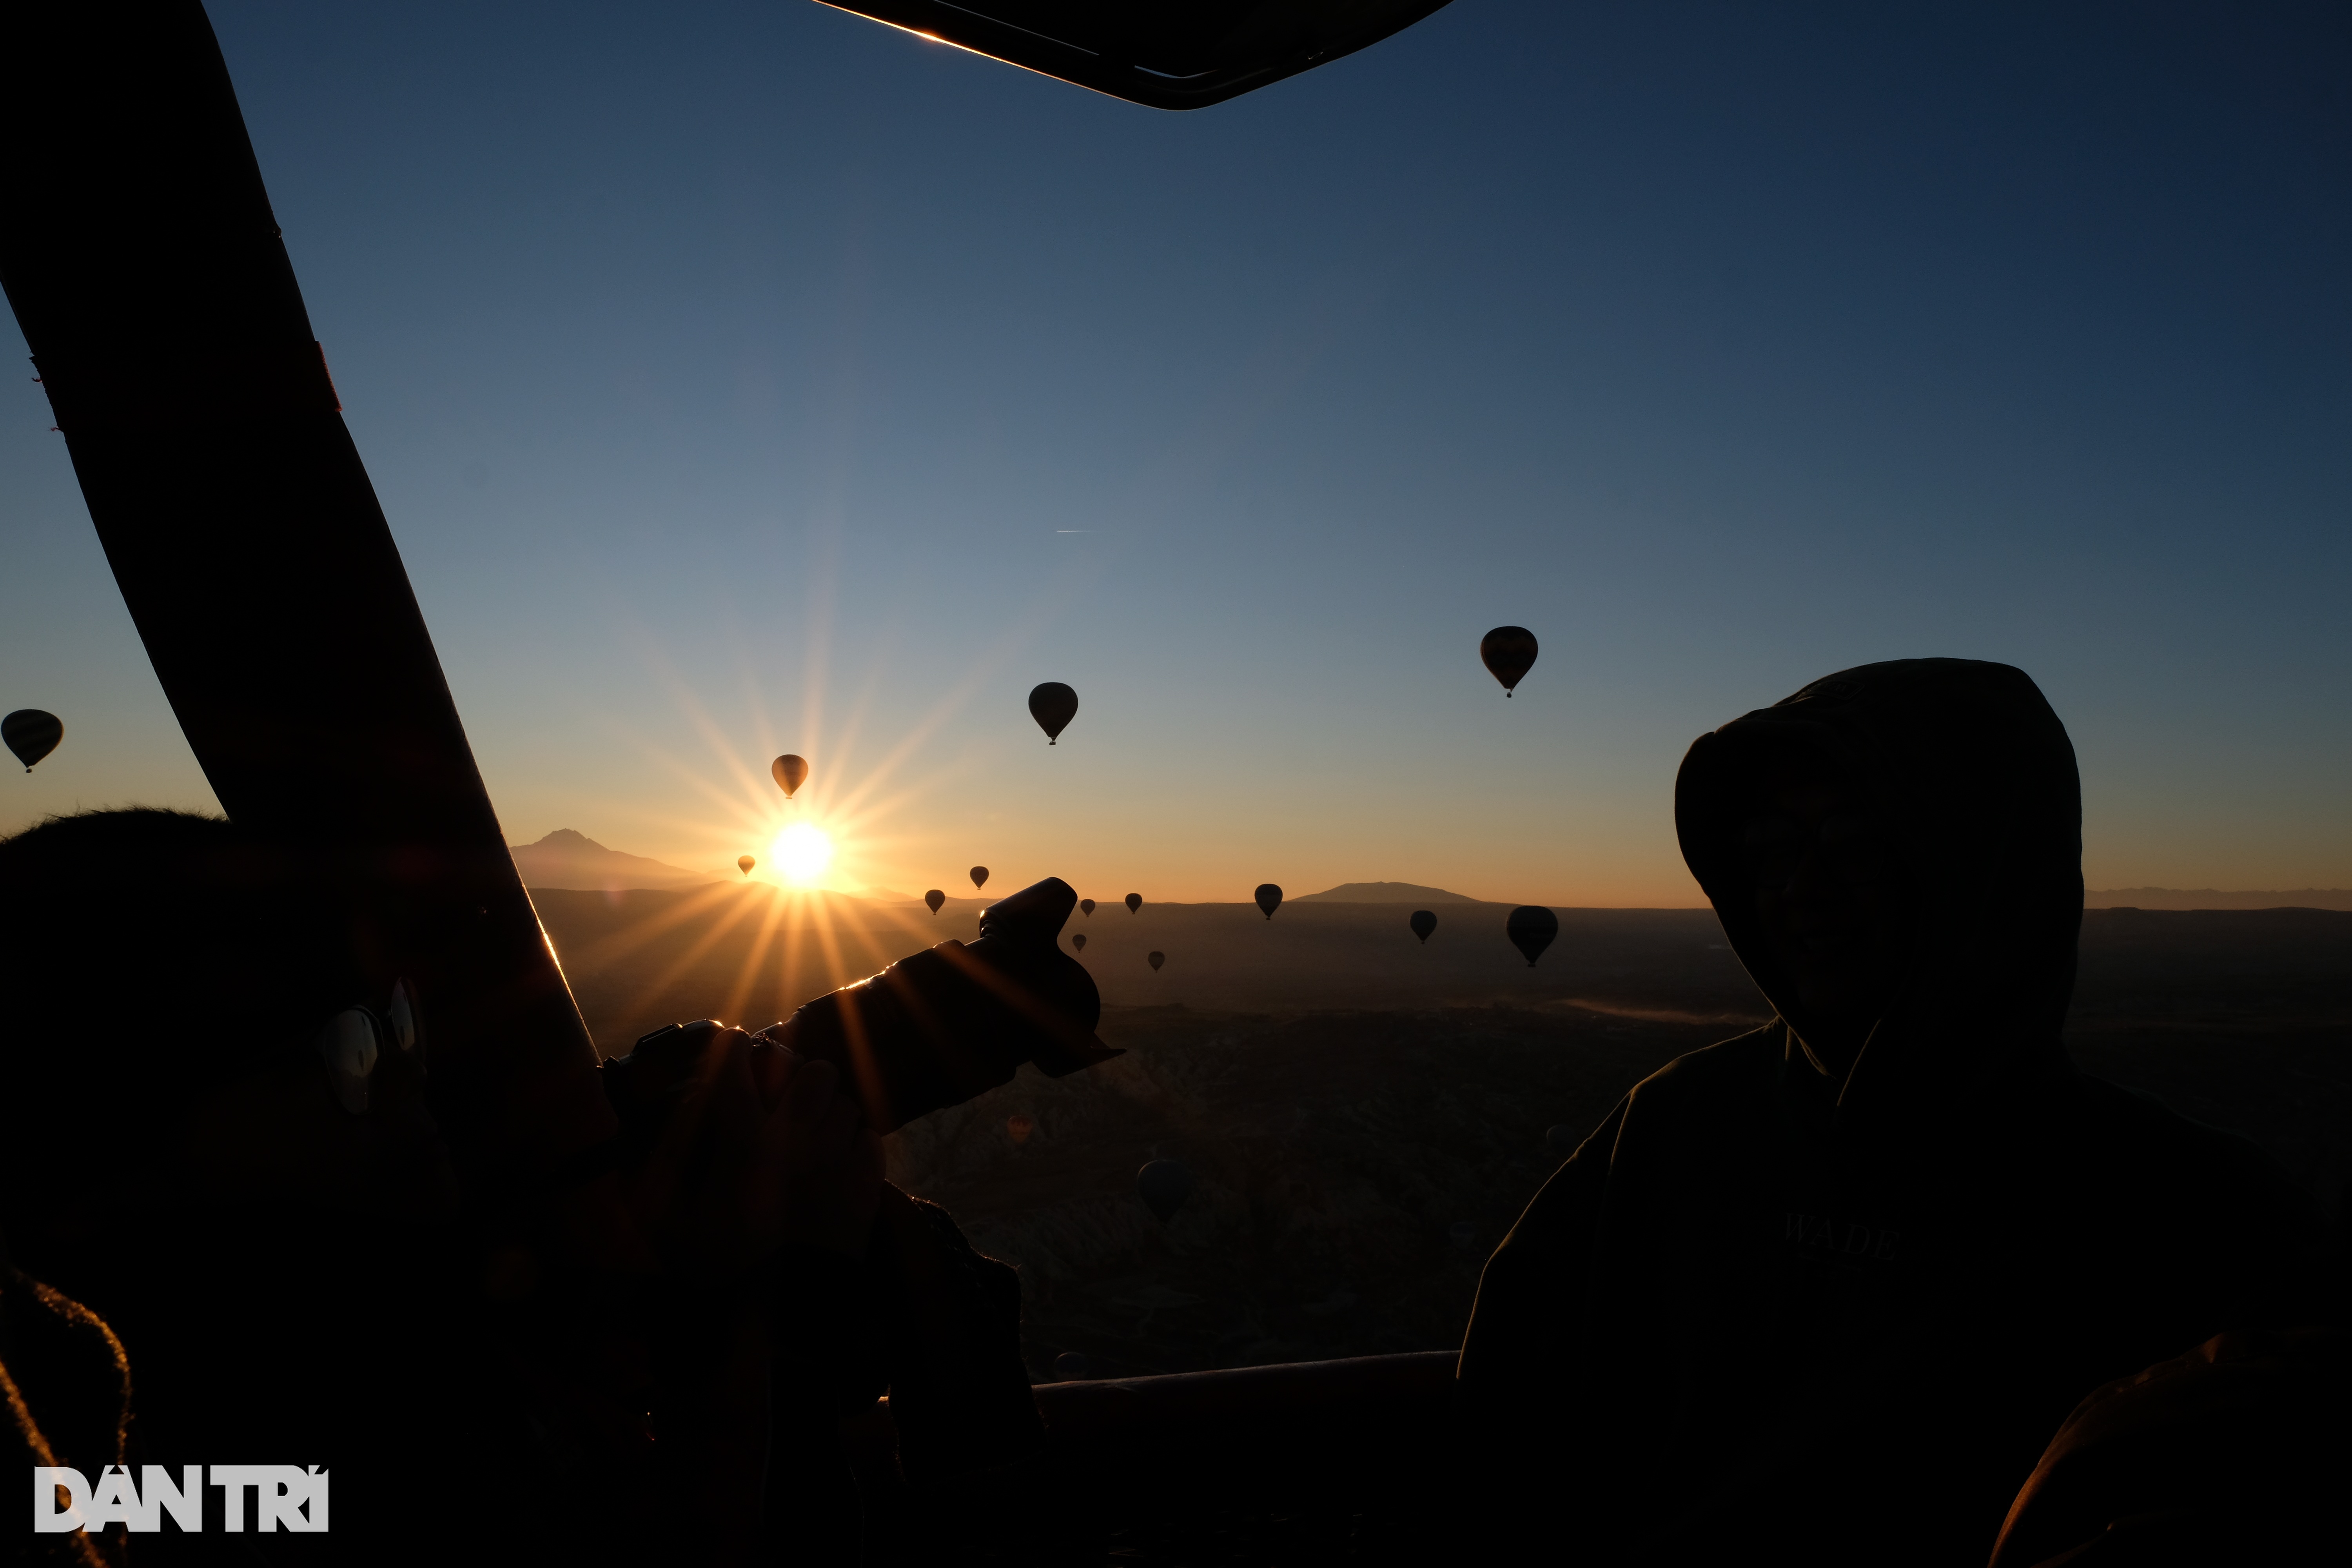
pixel 568 858
pixel 565 858
pixel 2211 898
pixel 1366 1114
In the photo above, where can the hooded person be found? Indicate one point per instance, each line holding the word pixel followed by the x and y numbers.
pixel 1826 1289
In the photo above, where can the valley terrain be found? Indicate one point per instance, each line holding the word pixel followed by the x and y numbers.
pixel 1364 1114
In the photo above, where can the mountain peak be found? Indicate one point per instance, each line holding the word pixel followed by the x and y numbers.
pixel 1383 893
pixel 569 858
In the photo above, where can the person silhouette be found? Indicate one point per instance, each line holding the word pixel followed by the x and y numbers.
pixel 1821 1292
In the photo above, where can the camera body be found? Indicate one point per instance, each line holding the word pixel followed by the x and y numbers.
pixel 934 1029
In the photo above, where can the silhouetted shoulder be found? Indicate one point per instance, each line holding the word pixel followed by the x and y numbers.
pixel 1739 1065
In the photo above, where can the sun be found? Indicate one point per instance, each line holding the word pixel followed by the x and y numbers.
pixel 800 854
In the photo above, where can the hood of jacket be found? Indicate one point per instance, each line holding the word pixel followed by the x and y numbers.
pixel 1974 777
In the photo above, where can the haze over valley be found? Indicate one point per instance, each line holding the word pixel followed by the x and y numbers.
pixel 1365 1114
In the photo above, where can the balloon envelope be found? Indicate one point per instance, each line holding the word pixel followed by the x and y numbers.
pixel 1163 1185
pixel 1269 899
pixel 32 735
pixel 1155 960
pixel 935 899
pixel 1134 902
pixel 1531 928
pixel 1509 652
pixel 744 863
pixel 1080 942
pixel 1053 705
pixel 788 771
pixel 980 875
pixel 1085 906
pixel 1423 923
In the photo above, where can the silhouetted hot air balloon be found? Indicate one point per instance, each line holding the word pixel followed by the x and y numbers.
pixel 1269 899
pixel 1134 902
pixel 1019 1126
pixel 1053 705
pixel 1560 1137
pixel 744 863
pixel 1423 923
pixel 935 899
pixel 32 735
pixel 1510 653
pixel 1163 1185
pixel 1155 960
pixel 1079 941
pixel 1531 928
pixel 788 771
pixel 980 875
pixel 1085 906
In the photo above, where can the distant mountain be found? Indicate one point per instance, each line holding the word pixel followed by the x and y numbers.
pixel 1383 893
pixel 2208 899
pixel 567 860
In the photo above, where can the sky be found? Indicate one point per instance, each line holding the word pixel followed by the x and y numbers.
pixel 744 379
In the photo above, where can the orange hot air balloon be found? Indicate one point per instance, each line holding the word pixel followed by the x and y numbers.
pixel 1509 653
pixel 1078 942
pixel 1155 960
pixel 790 772
pixel 935 899
pixel 980 875
pixel 745 863
pixel 1134 902
pixel 1019 1126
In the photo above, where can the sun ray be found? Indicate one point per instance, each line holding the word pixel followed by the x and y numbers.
pixel 748 975
pixel 652 990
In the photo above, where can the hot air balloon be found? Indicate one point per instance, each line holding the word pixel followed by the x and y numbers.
pixel 1269 899
pixel 1510 653
pixel 1053 705
pixel 1079 941
pixel 1531 928
pixel 1163 1185
pixel 980 875
pixel 1134 902
pixel 744 864
pixel 1155 960
pixel 1423 923
pixel 1085 906
pixel 1018 1126
pixel 31 734
pixel 935 899
pixel 1560 1137
pixel 789 772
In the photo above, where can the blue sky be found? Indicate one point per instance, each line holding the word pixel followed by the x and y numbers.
pixel 743 379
